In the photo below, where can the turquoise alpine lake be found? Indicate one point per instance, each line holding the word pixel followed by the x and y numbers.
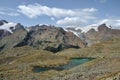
pixel 73 62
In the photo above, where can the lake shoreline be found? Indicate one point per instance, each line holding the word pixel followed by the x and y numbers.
pixel 72 63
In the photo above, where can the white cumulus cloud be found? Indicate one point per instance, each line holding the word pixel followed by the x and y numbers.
pixel 8 11
pixel 90 9
pixel 75 21
pixel 115 23
pixel 9 14
pixel 63 17
pixel 13 14
pixel 71 21
pixel 35 10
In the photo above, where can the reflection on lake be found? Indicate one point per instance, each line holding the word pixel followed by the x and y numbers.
pixel 73 62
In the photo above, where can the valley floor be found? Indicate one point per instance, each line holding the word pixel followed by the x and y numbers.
pixel 105 66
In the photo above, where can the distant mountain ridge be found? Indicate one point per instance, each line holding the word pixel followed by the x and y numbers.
pixel 96 34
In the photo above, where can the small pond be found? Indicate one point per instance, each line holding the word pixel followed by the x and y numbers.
pixel 73 62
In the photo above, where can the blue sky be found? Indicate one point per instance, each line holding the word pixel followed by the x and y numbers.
pixel 61 12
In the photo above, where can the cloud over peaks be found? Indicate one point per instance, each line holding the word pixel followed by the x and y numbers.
pixel 63 17
pixel 115 23
pixel 71 21
pixel 35 10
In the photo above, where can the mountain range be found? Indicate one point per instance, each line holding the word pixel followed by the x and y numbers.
pixel 51 38
pixel 95 34
pixel 45 37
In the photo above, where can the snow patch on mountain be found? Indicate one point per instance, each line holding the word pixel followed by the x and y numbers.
pixel 83 29
pixel 76 33
pixel 8 26
pixel 27 29
pixel 80 31
pixel 87 28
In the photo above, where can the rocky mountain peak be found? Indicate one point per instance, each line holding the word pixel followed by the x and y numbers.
pixel 102 27
pixel 2 22
pixel 18 26
pixel 7 26
pixel 91 30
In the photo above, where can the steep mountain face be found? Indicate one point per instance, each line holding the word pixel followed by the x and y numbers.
pixel 11 35
pixel 96 34
pixel 45 37
pixel 3 31
pixel 77 32
pixel 51 38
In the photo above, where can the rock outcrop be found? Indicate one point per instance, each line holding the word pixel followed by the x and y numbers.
pixel 51 38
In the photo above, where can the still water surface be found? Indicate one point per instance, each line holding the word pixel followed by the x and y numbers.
pixel 73 62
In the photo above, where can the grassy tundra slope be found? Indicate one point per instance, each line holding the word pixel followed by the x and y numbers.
pixel 104 67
